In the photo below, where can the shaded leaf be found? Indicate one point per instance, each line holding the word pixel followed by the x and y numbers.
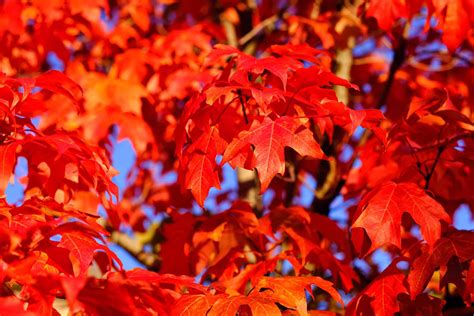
pixel 380 214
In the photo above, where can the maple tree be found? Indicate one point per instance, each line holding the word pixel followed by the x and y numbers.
pixel 280 149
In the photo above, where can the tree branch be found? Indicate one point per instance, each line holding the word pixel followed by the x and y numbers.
pixel 257 29
pixel 321 204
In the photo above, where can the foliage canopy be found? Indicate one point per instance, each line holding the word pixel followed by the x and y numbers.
pixel 280 149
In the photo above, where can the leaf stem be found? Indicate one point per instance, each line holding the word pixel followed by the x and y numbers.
pixel 239 92
pixel 431 172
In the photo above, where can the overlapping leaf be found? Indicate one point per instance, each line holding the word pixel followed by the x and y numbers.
pixel 269 138
pixel 380 214
pixel 458 244
pixel 380 296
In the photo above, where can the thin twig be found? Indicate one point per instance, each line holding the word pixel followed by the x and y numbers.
pixel 224 109
pixel 229 31
pixel 418 162
pixel 397 62
pixel 239 92
pixel 257 29
pixel 430 173
pixel 134 248
pixel 447 142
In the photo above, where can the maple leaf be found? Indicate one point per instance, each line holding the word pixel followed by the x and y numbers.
pixel 88 166
pixel 380 296
pixel 380 214
pixel 456 21
pixel 201 168
pixel 221 241
pixel 10 305
pixel 82 251
pixel 270 137
pixel 304 52
pixel 277 66
pixel 423 305
pixel 100 297
pixel 7 160
pixel 310 233
pixel 57 82
pixel 252 273
pixel 171 93
pixel 132 127
pixel 175 248
pixel 387 12
pixel 82 247
pixel 290 291
pixel 214 93
pixel 52 80
pixel 201 176
pixel 181 284
pixel 72 287
pixel 104 92
pixel 423 106
pixel 233 304
pixel 194 305
pixel 458 243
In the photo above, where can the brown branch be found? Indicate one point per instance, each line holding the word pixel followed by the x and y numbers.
pixel 397 62
pixel 328 175
pixel 249 189
pixel 291 186
pixel 134 247
pixel 257 29
pixel 229 31
pixel 322 203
